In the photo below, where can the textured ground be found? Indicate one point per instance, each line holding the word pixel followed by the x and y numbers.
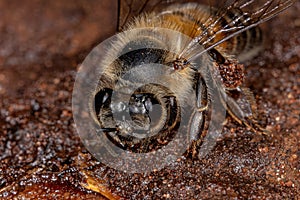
pixel 41 155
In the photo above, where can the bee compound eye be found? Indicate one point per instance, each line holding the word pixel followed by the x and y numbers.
pixel 102 99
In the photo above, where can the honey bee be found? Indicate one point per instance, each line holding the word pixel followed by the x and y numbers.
pixel 218 40
pixel 173 62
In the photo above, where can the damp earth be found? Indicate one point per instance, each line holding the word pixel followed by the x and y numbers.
pixel 42 44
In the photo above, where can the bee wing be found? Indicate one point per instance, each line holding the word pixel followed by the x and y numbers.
pixel 131 8
pixel 244 14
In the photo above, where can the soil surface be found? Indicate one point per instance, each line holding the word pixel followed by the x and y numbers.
pixel 42 44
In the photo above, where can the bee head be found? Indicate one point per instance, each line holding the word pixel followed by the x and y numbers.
pixel 149 111
pixel 137 96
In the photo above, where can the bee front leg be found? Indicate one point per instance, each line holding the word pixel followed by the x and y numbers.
pixel 197 118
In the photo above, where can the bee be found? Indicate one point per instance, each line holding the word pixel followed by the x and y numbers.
pixel 175 60
pixel 218 37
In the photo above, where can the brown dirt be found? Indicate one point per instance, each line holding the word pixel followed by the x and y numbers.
pixel 41 155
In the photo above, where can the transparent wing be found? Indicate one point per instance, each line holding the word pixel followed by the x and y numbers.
pixel 131 8
pixel 242 15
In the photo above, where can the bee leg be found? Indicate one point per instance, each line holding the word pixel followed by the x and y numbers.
pixel 237 113
pixel 202 108
pixel 111 134
pixel 196 122
pixel 195 125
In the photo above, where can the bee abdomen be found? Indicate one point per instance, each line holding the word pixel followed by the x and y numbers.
pixel 246 44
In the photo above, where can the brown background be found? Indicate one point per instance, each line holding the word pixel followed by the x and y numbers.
pixel 41 45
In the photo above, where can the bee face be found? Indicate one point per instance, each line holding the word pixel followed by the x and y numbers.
pixel 148 110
